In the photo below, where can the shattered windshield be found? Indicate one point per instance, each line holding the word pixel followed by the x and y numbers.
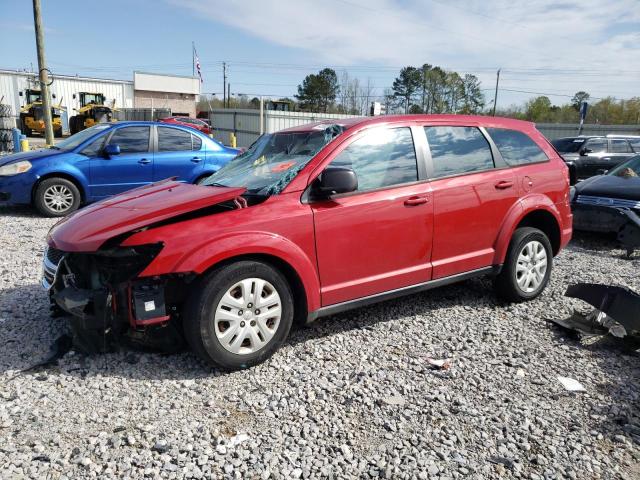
pixel 273 160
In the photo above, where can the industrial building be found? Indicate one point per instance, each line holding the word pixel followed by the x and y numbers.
pixel 174 93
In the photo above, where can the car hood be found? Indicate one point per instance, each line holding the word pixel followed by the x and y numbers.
pixel 31 155
pixel 611 186
pixel 87 229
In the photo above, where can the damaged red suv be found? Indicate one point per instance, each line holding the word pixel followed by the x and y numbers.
pixel 312 221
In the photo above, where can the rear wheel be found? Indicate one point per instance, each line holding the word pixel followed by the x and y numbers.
pixel 240 315
pixel 527 267
pixel 56 197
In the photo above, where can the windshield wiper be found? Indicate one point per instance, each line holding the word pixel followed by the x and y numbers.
pixel 215 184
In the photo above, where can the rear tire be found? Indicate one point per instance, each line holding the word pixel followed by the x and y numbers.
pixel 56 197
pixel 527 267
pixel 245 327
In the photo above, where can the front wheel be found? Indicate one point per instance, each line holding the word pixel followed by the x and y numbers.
pixel 527 267
pixel 240 315
pixel 56 197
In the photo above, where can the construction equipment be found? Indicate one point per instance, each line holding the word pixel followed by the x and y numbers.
pixel 92 110
pixel 32 114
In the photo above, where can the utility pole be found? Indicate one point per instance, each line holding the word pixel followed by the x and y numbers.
pixel 495 98
pixel 43 73
pixel 229 95
pixel 224 85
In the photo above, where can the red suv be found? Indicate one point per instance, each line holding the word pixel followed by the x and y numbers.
pixel 312 221
pixel 196 123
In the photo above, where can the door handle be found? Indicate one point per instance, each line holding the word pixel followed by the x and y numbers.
pixel 504 184
pixel 144 161
pixel 412 201
pixel 196 159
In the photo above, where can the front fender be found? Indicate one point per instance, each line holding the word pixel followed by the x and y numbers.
pixel 202 256
pixel 518 211
pixel 69 169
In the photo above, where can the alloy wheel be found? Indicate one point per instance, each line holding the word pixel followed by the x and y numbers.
pixel 58 198
pixel 531 266
pixel 247 316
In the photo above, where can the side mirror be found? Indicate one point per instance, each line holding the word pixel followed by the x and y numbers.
pixel 335 180
pixel 602 171
pixel 585 150
pixel 111 150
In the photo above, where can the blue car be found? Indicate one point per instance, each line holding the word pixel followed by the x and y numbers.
pixel 107 159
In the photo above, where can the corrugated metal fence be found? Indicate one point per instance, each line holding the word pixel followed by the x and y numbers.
pixel 246 125
pixel 558 130
pixel 142 114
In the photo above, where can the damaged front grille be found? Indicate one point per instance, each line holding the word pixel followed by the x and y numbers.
pixel 50 262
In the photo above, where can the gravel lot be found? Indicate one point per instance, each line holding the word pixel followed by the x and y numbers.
pixel 350 397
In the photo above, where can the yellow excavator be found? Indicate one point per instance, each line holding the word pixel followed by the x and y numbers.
pixel 32 114
pixel 92 110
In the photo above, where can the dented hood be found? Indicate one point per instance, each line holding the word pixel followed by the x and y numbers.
pixel 87 229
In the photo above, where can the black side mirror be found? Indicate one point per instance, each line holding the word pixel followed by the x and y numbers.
pixel 585 150
pixel 602 171
pixel 335 180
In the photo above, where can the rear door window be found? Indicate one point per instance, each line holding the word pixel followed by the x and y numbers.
pixel 458 150
pixel 516 147
pixel 381 158
pixel 131 139
pixel 173 140
pixel 619 146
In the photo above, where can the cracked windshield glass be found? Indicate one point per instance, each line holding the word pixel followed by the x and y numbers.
pixel 273 160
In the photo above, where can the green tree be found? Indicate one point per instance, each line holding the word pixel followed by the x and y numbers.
pixel 578 98
pixel 406 85
pixel 539 109
pixel 472 97
pixel 318 91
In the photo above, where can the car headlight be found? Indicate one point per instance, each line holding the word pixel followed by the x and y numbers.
pixel 15 168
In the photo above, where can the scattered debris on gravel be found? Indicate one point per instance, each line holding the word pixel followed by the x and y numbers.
pixel 356 395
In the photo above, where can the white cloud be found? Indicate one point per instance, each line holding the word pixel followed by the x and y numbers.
pixel 594 43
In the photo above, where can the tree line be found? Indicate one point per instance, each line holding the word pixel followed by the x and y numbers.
pixel 431 89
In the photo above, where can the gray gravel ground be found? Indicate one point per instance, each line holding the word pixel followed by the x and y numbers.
pixel 350 397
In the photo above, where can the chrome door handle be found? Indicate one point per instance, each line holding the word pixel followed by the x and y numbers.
pixel 196 159
pixel 144 161
pixel 411 201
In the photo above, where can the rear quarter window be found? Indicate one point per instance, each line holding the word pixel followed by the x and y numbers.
pixel 516 147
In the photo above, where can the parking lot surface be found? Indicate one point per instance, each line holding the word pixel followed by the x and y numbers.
pixel 351 396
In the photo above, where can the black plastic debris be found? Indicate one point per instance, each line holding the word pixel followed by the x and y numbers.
pixel 616 311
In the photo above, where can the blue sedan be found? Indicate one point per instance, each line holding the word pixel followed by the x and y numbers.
pixel 107 159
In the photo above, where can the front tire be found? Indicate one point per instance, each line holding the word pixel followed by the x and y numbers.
pixel 56 197
pixel 240 315
pixel 527 267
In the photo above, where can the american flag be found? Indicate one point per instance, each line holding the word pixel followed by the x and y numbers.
pixel 198 65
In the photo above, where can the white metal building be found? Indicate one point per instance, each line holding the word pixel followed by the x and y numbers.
pixel 146 90
pixel 64 87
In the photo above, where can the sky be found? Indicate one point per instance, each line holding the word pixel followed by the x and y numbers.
pixel 541 46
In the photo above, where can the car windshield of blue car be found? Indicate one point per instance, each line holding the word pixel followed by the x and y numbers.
pixel 274 160
pixel 629 169
pixel 74 140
